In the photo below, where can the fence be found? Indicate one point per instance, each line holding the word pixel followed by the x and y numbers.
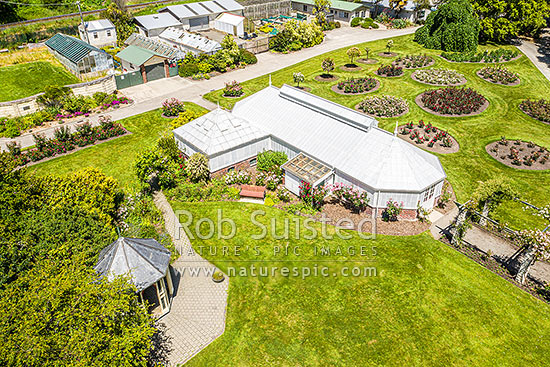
pixel 258 45
pixel 271 9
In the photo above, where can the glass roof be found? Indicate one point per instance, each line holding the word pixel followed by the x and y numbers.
pixel 306 168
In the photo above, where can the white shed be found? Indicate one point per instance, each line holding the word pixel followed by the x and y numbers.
pixel 230 23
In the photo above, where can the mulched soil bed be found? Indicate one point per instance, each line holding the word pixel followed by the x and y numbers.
pixel 350 68
pixel 305 89
pixel 421 105
pixel 462 82
pixel 383 117
pixel 367 61
pixel 504 151
pixel 387 54
pixel 385 76
pixel 76 149
pixel 517 82
pixel 438 146
pixel 402 64
pixel 451 204
pixel 335 89
pixel 331 78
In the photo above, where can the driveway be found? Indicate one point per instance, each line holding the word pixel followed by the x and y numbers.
pixel 539 52
pixel 150 96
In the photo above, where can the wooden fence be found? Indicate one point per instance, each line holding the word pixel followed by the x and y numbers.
pixel 257 46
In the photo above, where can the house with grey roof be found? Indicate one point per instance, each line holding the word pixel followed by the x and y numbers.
pixel 154 24
pixel 98 33
pixel 79 57
pixel 326 143
pixel 197 16
pixel 407 11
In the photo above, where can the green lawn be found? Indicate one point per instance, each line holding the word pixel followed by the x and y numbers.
pixel 429 305
pixel 115 157
pixel 24 80
pixel 471 164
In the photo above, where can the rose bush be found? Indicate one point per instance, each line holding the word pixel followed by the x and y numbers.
pixel 498 74
pixel 439 76
pixel 357 85
pixel 539 110
pixel 453 101
pixel 384 106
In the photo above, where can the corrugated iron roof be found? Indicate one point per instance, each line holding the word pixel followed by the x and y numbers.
pixel 192 10
pixel 135 55
pixel 156 21
pixel 191 40
pixel 72 48
pixel 157 47
pixel 99 25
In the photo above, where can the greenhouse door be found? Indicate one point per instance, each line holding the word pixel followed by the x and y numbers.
pixel 163 297
pixel 155 72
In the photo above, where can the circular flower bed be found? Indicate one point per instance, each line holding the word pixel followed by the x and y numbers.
pixel 429 137
pixel 414 61
pixel 390 70
pixel 384 106
pixel 351 67
pixel 452 101
pixel 356 86
pixel 539 110
pixel 326 78
pixel 498 75
pixel 233 90
pixel 519 154
pixel 439 77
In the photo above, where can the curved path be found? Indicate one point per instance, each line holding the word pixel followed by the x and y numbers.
pixel 150 96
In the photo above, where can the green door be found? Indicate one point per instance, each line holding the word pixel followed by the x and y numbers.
pixel 155 71
pixel 128 80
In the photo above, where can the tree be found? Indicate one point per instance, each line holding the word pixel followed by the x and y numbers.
pixel 376 4
pixel 328 65
pixel 117 13
pixel 61 313
pixel 490 194
pixel 353 53
pixel 298 78
pixel 197 168
pixel 8 13
pixel 231 49
pixel 320 11
pixel 453 27
pixel 504 19
pixel 536 246
pixel 389 45
pixel 367 51
pixel 397 6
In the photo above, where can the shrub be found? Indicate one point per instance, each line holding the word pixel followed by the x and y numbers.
pixel 237 178
pixel 453 27
pixel 270 161
pixel 40 141
pixel 313 197
pixel 14 148
pixel 369 23
pixel 233 89
pixel 187 70
pixel 353 53
pixel 54 96
pixel 439 76
pixel 62 133
pixel 204 67
pixel 78 104
pixel 398 23
pixel 453 101
pixel 389 70
pixel 298 78
pixel 283 195
pixel 392 211
pixel 269 179
pixel 248 57
pixel 384 106
pixel 539 110
pixel 297 35
pixel 498 55
pixel 172 107
pixel 350 196
pixel 185 117
pixel 498 74
pixel 197 168
pixel 357 85
pixel 355 22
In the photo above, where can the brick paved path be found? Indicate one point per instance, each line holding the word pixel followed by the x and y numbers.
pixel 197 314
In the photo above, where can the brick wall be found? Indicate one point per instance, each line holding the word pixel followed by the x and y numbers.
pixel 237 166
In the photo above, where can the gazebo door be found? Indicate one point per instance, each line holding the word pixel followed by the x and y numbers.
pixel 163 297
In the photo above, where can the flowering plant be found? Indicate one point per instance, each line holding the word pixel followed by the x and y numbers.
pixel 172 107
pixel 392 211
pixel 237 177
pixel 384 106
pixel 539 110
pixel 233 89
pixel 390 70
pixel 439 76
pixel 414 61
pixel 453 101
pixel 311 196
pixel 498 74
pixel 357 85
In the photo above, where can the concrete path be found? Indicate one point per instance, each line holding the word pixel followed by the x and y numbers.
pixel 150 96
pixel 502 250
pixel 539 52
pixel 197 313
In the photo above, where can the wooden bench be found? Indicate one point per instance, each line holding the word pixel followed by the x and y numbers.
pixel 251 191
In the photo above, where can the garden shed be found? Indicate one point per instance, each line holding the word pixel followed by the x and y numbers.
pixel 154 24
pixel 333 143
pixel 146 262
pixel 189 42
pixel 230 24
pixel 78 57
pixel 99 33
pixel 196 16
pixel 152 65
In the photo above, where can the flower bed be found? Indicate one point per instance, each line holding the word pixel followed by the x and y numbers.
pixel 498 55
pixel 233 89
pixel 414 61
pixel 498 75
pixel 519 154
pixel 356 86
pixel 390 70
pixel 452 101
pixel 539 110
pixel 429 137
pixel 172 107
pixel 384 106
pixel 441 77
pixel 64 141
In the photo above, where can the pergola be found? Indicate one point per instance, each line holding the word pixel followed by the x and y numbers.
pixel 146 261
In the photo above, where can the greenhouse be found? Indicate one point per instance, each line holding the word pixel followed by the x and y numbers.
pixel 325 142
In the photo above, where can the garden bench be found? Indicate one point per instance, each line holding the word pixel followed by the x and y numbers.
pixel 251 191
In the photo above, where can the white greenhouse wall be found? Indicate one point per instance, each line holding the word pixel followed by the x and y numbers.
pixel 410 200
pixel 236 30
pixel 292 183
pixel 245 152
pixel 279 146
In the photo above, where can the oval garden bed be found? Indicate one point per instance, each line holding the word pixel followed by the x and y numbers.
pixel 539 110
pixel 519 154
pixel 383 106
pixel 326 78
pixel 439 77
pixel 414 61
pixel 356 86
pixel 498 75
pixel 428 137
pixel 390 71
pixel 350 67
pixel 452 102
pixel 387 54
pixel 367 61
pixel 496 56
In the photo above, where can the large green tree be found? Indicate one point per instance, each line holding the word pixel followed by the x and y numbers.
pixel 504 19
pixel 453 27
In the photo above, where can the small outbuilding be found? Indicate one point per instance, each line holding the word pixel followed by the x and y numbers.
pixel 230 24
pixel 98 33
pixel 147 263
pixel 197 16
pixel 186 42
pixel 78 57
pixel 152 65
pixel 343 11
pixel 154 24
